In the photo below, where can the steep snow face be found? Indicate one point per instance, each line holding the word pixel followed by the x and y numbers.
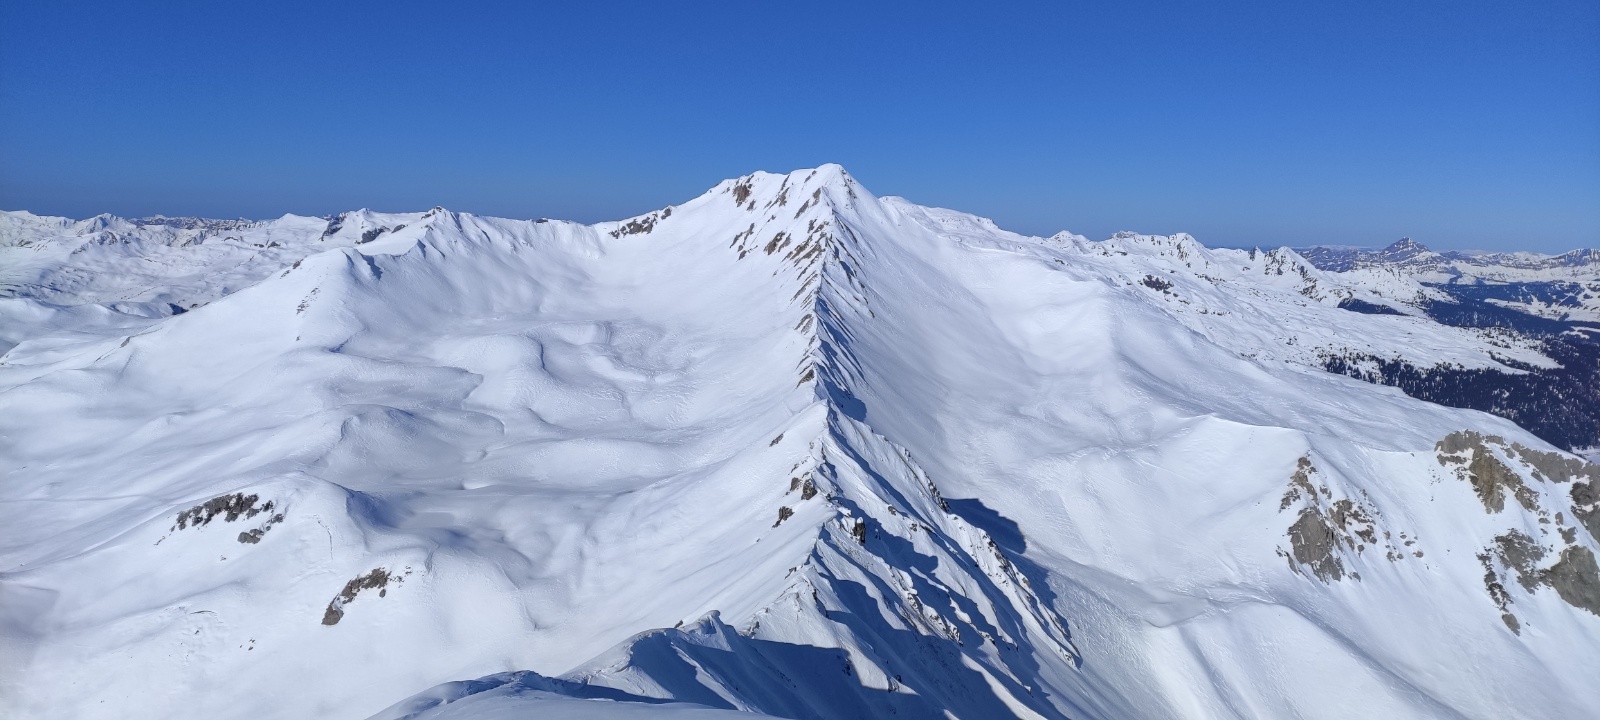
pixel 473 439
pixel 786 448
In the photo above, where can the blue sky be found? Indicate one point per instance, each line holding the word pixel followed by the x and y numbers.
pixel 1461 124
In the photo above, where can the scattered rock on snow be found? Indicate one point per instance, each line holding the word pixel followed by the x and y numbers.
pixel 378 579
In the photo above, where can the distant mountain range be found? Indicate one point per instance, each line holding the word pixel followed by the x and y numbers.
pixel 1452 263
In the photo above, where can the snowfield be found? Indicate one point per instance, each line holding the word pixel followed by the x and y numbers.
pixel 787 448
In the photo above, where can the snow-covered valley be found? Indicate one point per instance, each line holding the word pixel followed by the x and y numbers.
pixel 788 448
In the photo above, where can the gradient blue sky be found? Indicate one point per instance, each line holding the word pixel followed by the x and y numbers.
pixel 1461 123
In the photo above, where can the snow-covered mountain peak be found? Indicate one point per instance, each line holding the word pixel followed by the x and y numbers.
pixel 769 188
pixel 1403 250
pixel 1180 246
pixel 785 447
pixel 1067 237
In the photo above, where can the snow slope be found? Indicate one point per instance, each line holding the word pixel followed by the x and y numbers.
pixel 786 448
pixel 521 695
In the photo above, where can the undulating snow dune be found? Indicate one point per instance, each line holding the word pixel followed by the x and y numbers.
pixel 787 448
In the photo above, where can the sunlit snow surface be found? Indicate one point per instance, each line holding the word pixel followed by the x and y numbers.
pixel 785 448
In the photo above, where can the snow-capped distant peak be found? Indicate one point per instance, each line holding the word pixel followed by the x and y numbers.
pixel 1402 250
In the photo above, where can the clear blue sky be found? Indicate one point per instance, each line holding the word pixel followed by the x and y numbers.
pixel 1460 123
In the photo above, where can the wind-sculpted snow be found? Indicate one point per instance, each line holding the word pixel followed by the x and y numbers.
pixel 786 448
pixel 525 694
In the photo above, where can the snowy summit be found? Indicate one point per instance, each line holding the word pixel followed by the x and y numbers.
pixel 787 449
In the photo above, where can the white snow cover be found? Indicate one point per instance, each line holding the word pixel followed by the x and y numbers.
pixel 786 448
pixel 524 695
pixel 1570 281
